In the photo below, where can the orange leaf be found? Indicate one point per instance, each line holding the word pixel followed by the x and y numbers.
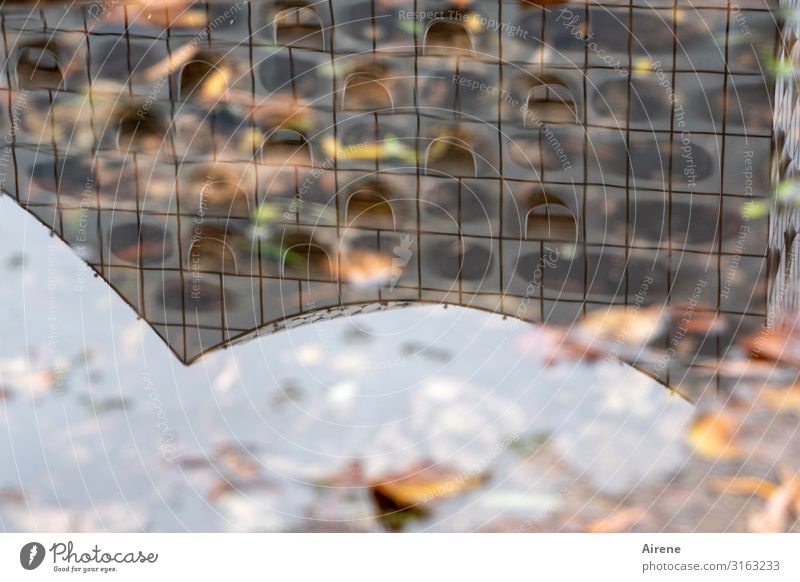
pixel 745 486
pixel 616 522
pixel 712 436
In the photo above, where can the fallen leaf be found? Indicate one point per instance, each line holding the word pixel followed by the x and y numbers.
pixel 712 436
pixel 617 522
pixel 744 486
pixel 781 400
pixel 774 517
pixel 777 344
pixel 626 325
pixel 423 484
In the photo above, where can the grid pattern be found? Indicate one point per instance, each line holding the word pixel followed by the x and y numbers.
pixel 254 165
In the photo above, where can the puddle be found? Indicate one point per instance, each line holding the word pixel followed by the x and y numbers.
pixel 462 284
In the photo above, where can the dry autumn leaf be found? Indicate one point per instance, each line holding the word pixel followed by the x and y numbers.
pixel 774 517
pixel 617 522
pixel 423 484
pixel 713 436
pixel 781 400
pixel 778 344
pixel 744 486
pixel 627 325
pixel 782 499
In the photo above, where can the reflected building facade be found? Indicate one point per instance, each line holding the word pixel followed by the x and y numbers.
pixel 239 168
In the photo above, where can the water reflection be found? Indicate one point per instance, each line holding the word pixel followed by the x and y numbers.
pixel 227 189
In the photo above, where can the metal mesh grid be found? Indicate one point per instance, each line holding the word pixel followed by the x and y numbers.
pixel 332 109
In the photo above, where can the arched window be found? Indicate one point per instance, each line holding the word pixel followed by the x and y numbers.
pixel 38 67
pixel 370 207
pixel 447 38
pixel 549 102
pixel 299 27
pixel 364 92
pixel 302 257
pixel 226 199
pixel 219 194
pixel 148 244
pixel 203 77
pixel 211 251
pixel 286 147
pixel 450 156
pixel 550 219
pixel 140 130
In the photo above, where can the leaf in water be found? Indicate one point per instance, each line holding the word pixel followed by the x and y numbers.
pixel 555 345
pixel 712 436
pixel 239 462
pixel 627 325
pixel 528 445
pixel 777 344
pixel 368 270
pixel 781 400
pixel 220 488
pixel 288 393
pixel 782 499
pixel 744 486
pixel 617 522
pixel 11 496
pixel 432 353
pixel 101 405
pixel 425 483
pixel 404 496
pixel 15 261
pixel 774 517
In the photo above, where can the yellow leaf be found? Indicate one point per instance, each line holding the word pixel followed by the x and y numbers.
pixel 624 324
pixel 425 485
pixel 712 436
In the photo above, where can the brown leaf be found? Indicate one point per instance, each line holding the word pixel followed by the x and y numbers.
pixel 777 344
pixel 218 489
pixel 424 483
pixel 617 522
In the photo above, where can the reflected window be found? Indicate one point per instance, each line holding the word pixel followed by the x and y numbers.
pixel 148 244
pixel 38 68
pixel 364 92
pixel 550 219
pixel 549 102
pixel 211 251
pixel 370 207
pixel 447 38
pixel 205 78
pixel 450 156
pixel 286 147
pixel 300 27
pixel 140 130
pixel 302 257
pixel 228 200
